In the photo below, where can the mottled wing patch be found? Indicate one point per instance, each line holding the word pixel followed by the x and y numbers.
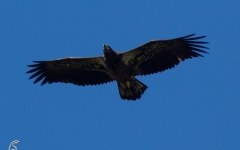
pixel 159 55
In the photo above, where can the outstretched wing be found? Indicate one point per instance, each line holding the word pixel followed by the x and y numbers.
pixel 79 71
pixel 159 55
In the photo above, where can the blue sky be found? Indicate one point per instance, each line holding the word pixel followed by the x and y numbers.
pixel 193 106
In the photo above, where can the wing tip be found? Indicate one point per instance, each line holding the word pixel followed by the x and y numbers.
pixel 183 37
pixel 195 44
pixel 191 37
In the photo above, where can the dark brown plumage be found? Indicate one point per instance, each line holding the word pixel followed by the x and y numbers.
pixel 152 57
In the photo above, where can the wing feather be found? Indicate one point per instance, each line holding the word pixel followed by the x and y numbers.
pixel 159 55
pixel 79 71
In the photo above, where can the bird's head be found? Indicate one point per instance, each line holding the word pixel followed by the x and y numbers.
pixel 108 51
pixel 106 48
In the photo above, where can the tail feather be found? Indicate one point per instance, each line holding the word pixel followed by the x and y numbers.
pixel 132 89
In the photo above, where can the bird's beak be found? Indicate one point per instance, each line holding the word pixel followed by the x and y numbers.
pixel 104 46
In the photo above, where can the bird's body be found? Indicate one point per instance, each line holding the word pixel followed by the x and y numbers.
pixel 117 69
pixel 152 57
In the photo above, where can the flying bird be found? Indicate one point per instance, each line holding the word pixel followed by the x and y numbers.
pixel 152 57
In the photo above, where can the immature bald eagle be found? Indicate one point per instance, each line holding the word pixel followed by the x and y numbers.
pixel 152 57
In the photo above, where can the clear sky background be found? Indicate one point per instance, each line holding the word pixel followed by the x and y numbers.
pixel 193 106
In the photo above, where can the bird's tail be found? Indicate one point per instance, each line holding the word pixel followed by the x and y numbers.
pixel 132 89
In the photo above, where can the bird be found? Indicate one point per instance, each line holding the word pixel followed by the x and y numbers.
pixel 152 57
